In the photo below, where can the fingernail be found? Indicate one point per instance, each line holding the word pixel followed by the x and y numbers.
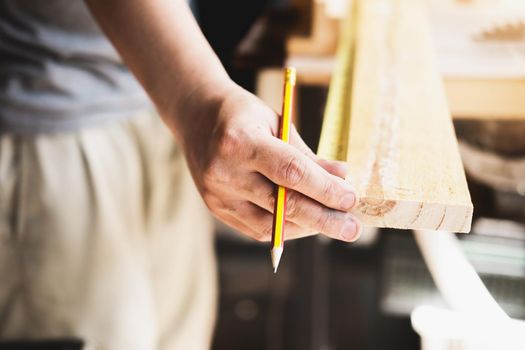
pixel 348 201
pixel 349 232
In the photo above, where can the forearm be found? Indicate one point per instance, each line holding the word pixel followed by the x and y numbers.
pixel 227 134
pixel 162 44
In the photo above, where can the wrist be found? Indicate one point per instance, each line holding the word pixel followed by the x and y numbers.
pixel 198 107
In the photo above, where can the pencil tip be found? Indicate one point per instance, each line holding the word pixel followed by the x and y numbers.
pixel 276 252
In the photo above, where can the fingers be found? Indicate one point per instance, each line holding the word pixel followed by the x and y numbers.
pixel 258 223
pixel 334 167
pixel 314 216
pixel 302 210
pixel 288 167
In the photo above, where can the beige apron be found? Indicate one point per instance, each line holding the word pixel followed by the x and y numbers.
pixel 103 236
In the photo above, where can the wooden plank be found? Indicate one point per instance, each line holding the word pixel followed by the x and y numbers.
pixel 269 88
pixel 481 55
pixel 323 34
pixel 490 99
pixel 402 151
pixel 481 51
pixel 468 97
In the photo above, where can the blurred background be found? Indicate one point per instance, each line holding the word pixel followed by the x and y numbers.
pixel 331 295
pixel 393 289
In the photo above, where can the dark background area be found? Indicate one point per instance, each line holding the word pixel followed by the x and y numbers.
pixel 326 294
pixel 225 23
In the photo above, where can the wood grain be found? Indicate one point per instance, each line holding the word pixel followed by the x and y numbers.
pixel 402 150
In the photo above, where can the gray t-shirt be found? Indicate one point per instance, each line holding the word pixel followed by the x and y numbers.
pixel 58 72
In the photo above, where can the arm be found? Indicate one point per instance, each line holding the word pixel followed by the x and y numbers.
pixel 226 133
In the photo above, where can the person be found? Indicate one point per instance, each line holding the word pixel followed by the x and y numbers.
pixel 103 234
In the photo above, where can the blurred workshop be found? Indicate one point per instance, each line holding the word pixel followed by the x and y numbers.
pixel 423 101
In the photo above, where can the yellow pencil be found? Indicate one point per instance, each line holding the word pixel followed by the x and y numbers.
pixel 280 196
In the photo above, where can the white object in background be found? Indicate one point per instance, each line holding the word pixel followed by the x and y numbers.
pixel 455 278
pixel 449 330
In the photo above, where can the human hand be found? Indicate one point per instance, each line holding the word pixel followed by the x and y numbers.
pixel 236 159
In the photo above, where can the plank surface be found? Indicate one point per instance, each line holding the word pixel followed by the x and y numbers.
pixel 402 150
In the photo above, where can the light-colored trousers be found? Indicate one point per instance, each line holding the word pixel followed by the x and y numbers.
pixel 103 236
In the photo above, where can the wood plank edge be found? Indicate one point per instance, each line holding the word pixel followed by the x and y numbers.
pixel 417 215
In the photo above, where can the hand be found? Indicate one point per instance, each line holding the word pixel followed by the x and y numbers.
pixel 236 160
pixel 227 134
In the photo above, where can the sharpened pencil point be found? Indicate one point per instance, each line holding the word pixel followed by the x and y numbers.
pixel 276 252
